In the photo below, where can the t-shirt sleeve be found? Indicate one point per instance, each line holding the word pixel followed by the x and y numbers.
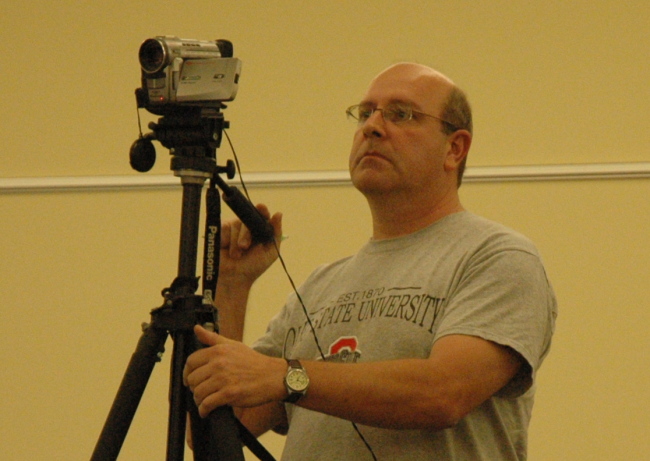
pixel 504 297
pixel 271 342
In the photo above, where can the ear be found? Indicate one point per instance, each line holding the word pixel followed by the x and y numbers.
pixel 459 143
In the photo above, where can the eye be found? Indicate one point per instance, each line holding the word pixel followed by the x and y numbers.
pixel 364 112
pixel 398 113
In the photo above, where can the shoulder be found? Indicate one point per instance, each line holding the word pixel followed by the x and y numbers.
pixel 326 271
pixel 487 234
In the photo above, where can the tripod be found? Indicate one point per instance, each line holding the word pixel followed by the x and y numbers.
pixel 192 135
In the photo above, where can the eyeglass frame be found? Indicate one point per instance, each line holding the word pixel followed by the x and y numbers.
pixel 409 109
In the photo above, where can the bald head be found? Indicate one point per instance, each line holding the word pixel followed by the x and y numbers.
pixel 416 70
pixel 404 81
pixel 429 91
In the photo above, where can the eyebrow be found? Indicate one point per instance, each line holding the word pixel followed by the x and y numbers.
pixel 392 101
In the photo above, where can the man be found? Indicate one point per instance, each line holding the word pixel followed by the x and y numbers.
pixel 428 339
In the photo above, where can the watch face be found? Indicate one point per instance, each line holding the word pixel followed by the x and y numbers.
pixel 297 380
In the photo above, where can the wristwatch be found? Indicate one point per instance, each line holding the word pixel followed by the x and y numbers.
pixel 296 381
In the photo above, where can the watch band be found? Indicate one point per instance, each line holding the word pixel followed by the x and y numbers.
pixel 293 363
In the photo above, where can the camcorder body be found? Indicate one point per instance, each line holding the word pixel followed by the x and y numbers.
pixel 180 73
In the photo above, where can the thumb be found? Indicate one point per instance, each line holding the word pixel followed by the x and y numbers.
pixel 207 337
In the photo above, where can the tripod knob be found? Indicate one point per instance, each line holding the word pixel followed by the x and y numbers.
pixel 230 169
pixel 142 155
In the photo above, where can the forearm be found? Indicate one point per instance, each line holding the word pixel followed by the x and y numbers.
pixel 231 300
pixel 400 394
pixel 432 393
pixel 435 393
pixel 263 418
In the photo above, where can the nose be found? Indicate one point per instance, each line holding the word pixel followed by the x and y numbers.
pixel 375 125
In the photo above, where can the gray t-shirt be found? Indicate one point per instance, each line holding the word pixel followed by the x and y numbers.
pixel 393 299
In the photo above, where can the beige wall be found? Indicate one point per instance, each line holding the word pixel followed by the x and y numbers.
pixel 551 83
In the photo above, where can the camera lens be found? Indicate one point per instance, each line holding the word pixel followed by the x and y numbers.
pixel 152 56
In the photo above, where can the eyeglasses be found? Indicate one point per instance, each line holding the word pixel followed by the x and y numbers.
pixel 394 112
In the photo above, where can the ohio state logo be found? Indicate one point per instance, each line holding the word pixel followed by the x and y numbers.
pixel 344 349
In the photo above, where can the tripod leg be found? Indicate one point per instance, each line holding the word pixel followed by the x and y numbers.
pixel 150 346
pixel 177 400
pixel 215 438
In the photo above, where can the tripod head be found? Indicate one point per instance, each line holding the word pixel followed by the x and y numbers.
pixel 193 134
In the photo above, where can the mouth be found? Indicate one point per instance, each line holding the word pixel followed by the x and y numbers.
pixel 373 153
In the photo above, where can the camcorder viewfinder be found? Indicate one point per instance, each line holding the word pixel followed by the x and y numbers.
pixel 184 73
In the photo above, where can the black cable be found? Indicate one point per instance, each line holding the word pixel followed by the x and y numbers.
pixel 295 289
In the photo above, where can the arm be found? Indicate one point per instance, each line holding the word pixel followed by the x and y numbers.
pixel 435 393
pixel 460 374
pixel 240 264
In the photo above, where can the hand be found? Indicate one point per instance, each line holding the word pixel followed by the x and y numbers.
pixel 230 373
pixel 240 261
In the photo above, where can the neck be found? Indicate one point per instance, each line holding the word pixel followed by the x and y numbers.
pixel 393 217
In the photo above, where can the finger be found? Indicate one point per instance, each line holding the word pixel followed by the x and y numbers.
pixel 225 235
pixel 235 237
pixel 244 239
pixel 194 362
pixel 199 358
pixel 239 240
pixel 264 210
pixel 276 223
pixel 275 220
pixel 210 403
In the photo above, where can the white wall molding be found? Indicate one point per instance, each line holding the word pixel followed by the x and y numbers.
pixel 594 171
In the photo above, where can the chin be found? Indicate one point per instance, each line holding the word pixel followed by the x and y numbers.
pixel 370 185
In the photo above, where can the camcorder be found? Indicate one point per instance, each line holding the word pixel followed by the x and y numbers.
pixel 186 82
pixel 186 73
